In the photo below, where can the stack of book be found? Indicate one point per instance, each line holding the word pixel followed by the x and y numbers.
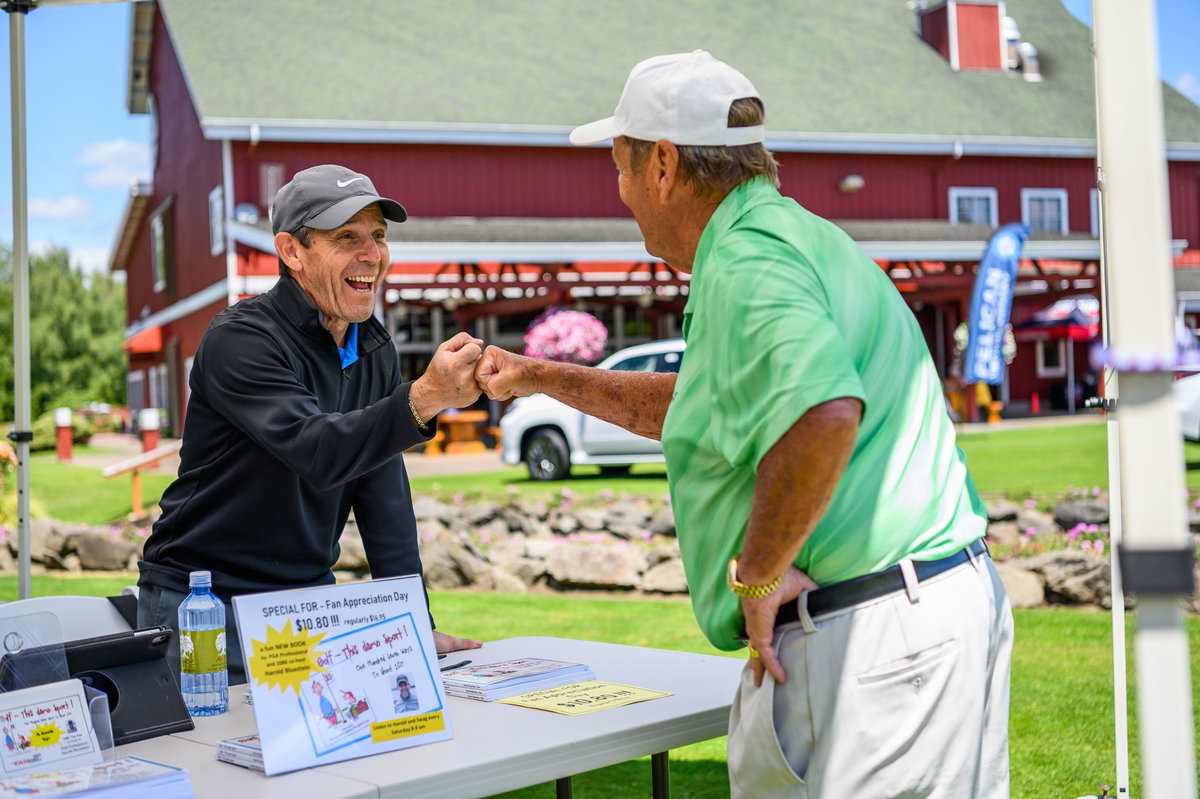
pixel 123 778
pixel 245 751
pixel 491 681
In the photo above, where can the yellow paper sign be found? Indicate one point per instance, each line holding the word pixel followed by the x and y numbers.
pixel 45 735
pixel 584 697
pixel 285 659
pixel 393 729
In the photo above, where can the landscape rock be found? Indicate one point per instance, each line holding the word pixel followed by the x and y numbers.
pixel 592 566
pixel 1072 577
pixel 1001 510
pixel 1080 511
pixel 665 578
pixel 1040 522
pixel 353 556
pixel 663 522
pixel 1025 588
pixel 102 552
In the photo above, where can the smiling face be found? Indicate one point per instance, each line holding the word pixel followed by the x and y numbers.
pixel 341 269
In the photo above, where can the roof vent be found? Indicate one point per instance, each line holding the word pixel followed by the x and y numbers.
pixel 1029 62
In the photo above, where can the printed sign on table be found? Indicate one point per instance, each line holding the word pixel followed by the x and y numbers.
pixel 46 728
pixel 341 671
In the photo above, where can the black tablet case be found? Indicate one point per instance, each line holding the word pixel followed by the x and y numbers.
pixel 131 668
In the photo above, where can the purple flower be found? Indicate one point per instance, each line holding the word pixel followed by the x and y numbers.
pixel 1031 503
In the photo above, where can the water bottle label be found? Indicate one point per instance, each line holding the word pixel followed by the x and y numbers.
pixel 202 651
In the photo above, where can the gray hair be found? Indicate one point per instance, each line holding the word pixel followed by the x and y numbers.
pixel 304 237
pixel 718 170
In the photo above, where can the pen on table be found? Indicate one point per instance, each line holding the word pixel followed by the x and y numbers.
pixel 457 665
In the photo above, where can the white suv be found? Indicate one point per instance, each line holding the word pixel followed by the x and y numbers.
pixel 550 436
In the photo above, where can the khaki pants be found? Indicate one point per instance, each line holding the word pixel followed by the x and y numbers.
pixel 891 698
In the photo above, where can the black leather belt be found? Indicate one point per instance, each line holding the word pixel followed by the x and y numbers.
pixel 857 590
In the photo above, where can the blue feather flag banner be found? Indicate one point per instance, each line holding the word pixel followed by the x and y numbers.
pixel 991 302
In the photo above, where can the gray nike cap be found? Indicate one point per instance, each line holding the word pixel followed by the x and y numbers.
pixel 325 197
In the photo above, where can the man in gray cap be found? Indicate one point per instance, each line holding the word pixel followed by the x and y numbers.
pixel 807 444
pixel 298 415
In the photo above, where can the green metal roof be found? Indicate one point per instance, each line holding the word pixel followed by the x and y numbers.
pixel 832 73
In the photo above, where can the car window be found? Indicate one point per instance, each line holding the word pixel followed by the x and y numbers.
pixel 670 361
pixel 638 363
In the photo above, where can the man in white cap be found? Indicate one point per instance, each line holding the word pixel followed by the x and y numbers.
pixel 807 444
pixel 298 415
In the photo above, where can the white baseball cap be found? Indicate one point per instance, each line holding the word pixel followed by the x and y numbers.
pixel 683 98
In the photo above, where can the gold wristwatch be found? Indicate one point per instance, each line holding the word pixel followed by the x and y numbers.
pixel 750 591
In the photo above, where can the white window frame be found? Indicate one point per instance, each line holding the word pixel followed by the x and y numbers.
pixel 135 391
pixel 271 180
pixel 1045 370
pixel 974 192
pixel 158 252
pixel 1027 195
pixel 216 220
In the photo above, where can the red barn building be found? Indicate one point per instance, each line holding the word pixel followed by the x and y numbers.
pixel 919 128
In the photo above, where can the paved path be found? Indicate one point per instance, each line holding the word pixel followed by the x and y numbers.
pixel 119 446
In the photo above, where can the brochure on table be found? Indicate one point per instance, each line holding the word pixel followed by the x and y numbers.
pixel 341 671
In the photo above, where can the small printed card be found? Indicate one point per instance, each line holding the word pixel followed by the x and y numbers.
pixel 584 697
pixel 123 778
pixel 341 671
pixel 46 728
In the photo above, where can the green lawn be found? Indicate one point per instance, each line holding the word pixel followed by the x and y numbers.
pixel 1061 719
pixel 1044 462
pixel 72 493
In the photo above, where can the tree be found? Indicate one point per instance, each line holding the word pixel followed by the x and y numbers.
pixel 76 329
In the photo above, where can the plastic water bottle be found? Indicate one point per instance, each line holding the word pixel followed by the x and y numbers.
pixel 204 678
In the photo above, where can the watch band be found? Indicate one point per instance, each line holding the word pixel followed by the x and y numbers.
pixel 749 591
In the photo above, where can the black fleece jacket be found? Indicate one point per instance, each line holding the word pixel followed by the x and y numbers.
pixel 280 444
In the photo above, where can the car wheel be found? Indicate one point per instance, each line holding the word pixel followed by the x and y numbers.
pixel 547 455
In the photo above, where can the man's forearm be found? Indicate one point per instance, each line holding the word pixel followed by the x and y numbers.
pixel 636 401
pixel 795 484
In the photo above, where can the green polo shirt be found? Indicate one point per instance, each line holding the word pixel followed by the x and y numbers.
pixel 785 312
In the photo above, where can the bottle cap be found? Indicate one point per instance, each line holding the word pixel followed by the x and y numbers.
pixel 202 579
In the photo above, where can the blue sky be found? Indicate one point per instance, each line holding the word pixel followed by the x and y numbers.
pixel 84 149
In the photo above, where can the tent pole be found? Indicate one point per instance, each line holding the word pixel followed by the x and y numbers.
pixel 22 431
pixel 1156 551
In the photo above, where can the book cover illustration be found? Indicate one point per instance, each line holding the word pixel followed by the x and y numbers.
pixel 341 671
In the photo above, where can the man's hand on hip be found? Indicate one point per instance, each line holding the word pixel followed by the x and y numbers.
pixel 449 380
pixel 760 615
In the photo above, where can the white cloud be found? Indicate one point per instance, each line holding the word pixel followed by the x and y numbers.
pixel 70 207
pixel 90 260
pixel 1189 84
pixel 116 163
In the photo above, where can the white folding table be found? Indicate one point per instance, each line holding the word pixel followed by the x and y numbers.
pixel 495 747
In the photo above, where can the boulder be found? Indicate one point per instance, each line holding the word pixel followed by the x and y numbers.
pixel 1025 588
pixel 1032 519
pixel 590 566
pixel 506 582
pixel 1004 533
pixel 591 520
pixel 101 551
pixel 1072 577
pixel 665 578
pixel 1001 510
pixel 353 557
pixel 448 563
pixel 1080 511
pixel 663 522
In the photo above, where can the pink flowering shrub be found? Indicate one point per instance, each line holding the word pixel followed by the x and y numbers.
pixel 566 336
